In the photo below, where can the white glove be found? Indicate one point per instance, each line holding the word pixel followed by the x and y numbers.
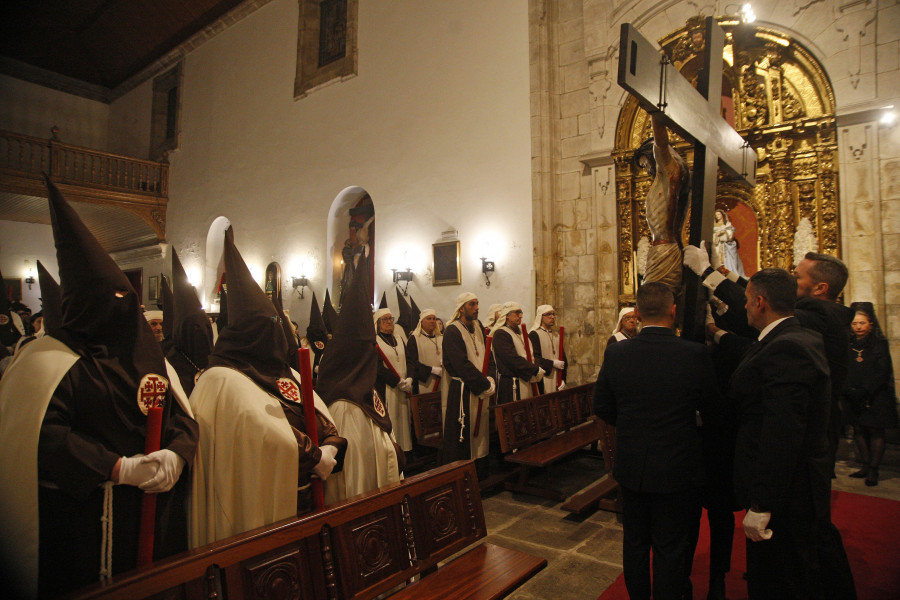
pixel 436 371
pixel 755 526
pixel 696 259
pixel 561 387
pixel 539 376
pixel 490 391
pixel 133 470
pixel 168 466
pixel 559 365
pixel 327 462
pixel 405 385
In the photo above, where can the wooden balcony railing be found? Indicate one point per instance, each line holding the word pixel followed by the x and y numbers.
pixel 24 155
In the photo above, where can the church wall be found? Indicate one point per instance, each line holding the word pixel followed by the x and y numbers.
pixel 32 242
pixel 31 109
pixel 435 128
pixel 574 88
pixel 129 122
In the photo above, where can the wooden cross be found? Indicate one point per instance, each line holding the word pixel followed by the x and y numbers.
pixel 695 115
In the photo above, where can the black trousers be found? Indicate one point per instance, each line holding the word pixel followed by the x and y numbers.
pixel 665 524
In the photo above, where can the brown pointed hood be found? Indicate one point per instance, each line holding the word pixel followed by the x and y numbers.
pixel 253 342
pixel 329 315
pixel 293 358
pixel 316 332
pixel 416 314
pixel 50 300
pixel 405 317
pixel 165 293
pixel 192 339
pixel 349 366
pixel 383 303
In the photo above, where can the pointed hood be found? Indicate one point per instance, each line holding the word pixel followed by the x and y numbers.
pixel 416 313
pixel 253 342
pixel 329 315
pixel 222 321
pixel 168 317
pixel 101 312
pixel 405 317
pixel 383 303
pixel 316 331
pixel 50 300
pixel 192 339
pixel 8 332
pixel 348 368
pixel 293 358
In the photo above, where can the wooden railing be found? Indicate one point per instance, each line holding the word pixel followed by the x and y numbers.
pixel 26 155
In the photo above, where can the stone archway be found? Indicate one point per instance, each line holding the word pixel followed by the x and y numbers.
pixel 779 99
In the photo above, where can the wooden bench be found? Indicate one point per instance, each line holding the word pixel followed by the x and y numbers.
pixel 605 493
pixel 427 419
pixel 539 431
pixel 360 548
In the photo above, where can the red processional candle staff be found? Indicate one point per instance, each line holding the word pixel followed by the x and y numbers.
pixel 148 501
pixel 484 371
pixel 562 331
pixel 309 419
pixel 527 342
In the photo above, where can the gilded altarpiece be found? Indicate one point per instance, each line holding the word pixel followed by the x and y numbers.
pixel 779 99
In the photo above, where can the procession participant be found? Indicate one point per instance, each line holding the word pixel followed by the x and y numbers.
pixel 423 353
pixel 347 384
pixel 392 383
pixel 168 321
pixel 515 373
pixel 626 327
pixel 155 319
pixel 11 328
pixel 255 459
pixel 545 349
pixel 464 387
pixel 90 385
pixel 492 313
pixel 404 323
pixel 329 315
pixel 316 334
pixel 192 338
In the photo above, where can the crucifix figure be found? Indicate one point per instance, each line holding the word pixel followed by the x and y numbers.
pixel 695 114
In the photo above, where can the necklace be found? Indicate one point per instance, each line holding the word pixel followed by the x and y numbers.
pixel 472 334
pixel 859 357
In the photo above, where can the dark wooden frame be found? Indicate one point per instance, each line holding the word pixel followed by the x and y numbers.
pixel 153 288
pixel 445 270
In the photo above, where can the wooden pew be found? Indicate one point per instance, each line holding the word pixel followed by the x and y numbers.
pixel 427 419
pixel 605 493
pixel 537 432
pixel 358 549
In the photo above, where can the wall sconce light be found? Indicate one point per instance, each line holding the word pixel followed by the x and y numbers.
pixel 30 278
pixel 888 117
pixel 300 282
pixel 406 276
pixel 487 267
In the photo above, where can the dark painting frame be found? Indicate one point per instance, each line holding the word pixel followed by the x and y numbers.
pixel 445 263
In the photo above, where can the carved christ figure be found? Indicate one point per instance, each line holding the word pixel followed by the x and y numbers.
pixel 666 205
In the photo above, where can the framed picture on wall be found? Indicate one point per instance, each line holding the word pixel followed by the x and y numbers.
pixel 153 288
pixel 446 263
pixel 13 289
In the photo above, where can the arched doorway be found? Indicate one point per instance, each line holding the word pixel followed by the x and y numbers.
pixel 780 100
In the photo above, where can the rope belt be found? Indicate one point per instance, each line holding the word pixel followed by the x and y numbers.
pixel 106 526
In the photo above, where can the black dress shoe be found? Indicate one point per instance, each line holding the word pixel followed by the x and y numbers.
pixel 872 477
pixel 861 474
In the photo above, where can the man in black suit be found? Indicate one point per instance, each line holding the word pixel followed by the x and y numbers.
pixel 651 388
pixel 781 473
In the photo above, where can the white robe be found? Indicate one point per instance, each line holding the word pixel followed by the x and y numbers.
pixel 397 400
pixel 550 350
pixel 429 349
pixel 370 461
pixel 245 472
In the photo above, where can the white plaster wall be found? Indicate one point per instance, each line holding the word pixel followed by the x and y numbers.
pixel 30 109
pixel 27 241
pixel 436 128
pixel 129 122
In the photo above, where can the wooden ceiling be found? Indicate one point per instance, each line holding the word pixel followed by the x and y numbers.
pixel 101 42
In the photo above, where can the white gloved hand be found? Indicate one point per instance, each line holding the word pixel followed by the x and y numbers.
pixel 539 376
pixel 405 385
pixel 325 465
pixel 696 259
pixel 755 526
pixel 436 371
pixel 717 259
pixel 490 391
pixel 561 387
pixel 559 365
pixel 133 471
pixel 168 466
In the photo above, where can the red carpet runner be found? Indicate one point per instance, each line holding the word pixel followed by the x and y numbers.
pixel 869 526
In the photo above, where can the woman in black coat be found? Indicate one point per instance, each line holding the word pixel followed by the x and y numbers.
pixel 869 400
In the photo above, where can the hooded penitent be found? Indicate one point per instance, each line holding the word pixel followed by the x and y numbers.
pixel 89 413
pixel 316 332
pixel 329 315
pixel 404 320
pixel 416 316
pixel 165 293
pixel 350 364
pixel 222 320
pixel 293 358
pixel 8 332
pixel 383 303
pixel 192 339
pixel 50 300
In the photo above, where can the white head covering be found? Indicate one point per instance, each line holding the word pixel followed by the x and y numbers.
pixel 152 315
pixel 378 314
pixel 428 312
pixel 622 313
pixel 541 311
pixel 505 310
pixel 460 300
pixel 489 321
